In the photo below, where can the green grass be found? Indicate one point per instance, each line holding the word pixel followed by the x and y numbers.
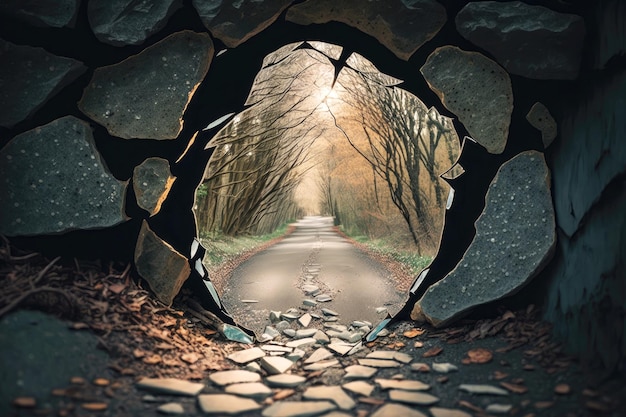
pixel 411 259
pixel 221 248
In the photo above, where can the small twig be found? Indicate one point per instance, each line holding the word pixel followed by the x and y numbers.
pixel 27 294
pixel 45 270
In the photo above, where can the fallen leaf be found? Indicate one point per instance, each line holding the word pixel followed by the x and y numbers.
pixel 78 380
pixel 24 402
pixel 164 346
pixel 434 351
pixel 59 392
pixel 420 367
pixel 283 393
pixel 479 355
pixel 540 405
pixel 190 358
pixel 117 288
pixel 418 344
pixel 562 389
pixel 498 375
pixel 95 406
pixel 414 333
pixel 516 388
pixel 138 353
pixel 152 359
pixel 470 406
pixel 101 382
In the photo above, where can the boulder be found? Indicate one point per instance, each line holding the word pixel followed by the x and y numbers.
pixel 145 95
pixel 162 266
pixel 403 26
pixel 46 13
pixel 129 22
pixel 540 118
pixel 152 181
pixel 52 180
pixel 235 21
pixel 515 238
pixel 476 89
pixel 531 41
pixel 29 77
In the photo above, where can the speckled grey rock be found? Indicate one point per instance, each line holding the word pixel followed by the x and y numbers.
pixel 527 40
pixel 540 118
pixel 145 95
pixel 152 181
pixel 128 22
pixel 53 180
pixel 46 13
pixel 226 404
pixel 476 89
pixel 235 21
pixel 29 77
pixel 170 386
pixel 402 26
pixel 515 238
pixel 163 267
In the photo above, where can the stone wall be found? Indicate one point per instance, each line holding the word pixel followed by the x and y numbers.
pixel 104 104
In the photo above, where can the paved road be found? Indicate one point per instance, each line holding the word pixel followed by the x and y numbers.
pixel 314 254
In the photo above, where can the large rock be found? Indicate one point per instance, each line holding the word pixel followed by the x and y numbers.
pixel 162 266
pixel 531 41
pixel 515 237
pixel 152 181
pixel 29 77
pixel 593 154
pixel 475 89
pixel 46 13
pixel 145 95
pixel 401 25
pixel 235 21
pixel 540 118
pixel 53 180
pixel 128 22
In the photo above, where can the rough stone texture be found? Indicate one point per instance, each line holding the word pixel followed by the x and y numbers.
pixel 164 268
pixel 29 77
pixel 609 36
pixel 171 386
pixel 540 118
pixel 145 95
pixel 402 26
pixel 152 181
pixel 515 237
pixel 226 404
pixel 593 153
pixel 53 180
pixel 46 13
pixel 129 22
pixel 586 296
pixel 531 41
pixel 235 21
pixel 475 89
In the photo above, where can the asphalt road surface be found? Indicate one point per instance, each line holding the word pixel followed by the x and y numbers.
pixel 313 255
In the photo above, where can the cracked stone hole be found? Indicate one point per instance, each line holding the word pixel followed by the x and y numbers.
pixel 327 146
